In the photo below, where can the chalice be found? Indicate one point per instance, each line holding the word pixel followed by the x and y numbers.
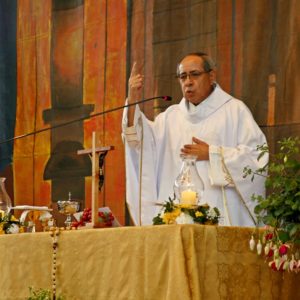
pixel 68 208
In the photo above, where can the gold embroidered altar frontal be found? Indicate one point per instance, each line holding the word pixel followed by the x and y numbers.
pixel 143 263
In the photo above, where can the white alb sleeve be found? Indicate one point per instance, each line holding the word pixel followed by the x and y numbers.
pixel 216 172
pixel 132 134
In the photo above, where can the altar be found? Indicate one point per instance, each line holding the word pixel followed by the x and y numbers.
pixel 166 262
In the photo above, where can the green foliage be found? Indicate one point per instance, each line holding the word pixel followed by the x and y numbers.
pixel 6 220
pixel 170 205
pixel 205 216
pixel 281 208
pixel 158 220
pixel 41 294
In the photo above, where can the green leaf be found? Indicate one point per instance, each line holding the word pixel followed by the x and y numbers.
pixel 295 230
pixel 279 211
pixel 158 220
pixel 270 220
pixel 297 242
pixel 283 236
pixel 257 209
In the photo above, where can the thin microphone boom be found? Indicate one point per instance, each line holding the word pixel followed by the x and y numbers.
pixel 165 98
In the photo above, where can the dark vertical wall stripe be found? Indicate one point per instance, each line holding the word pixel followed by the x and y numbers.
pixel 8 77
pixel 273 37
pixel 128 71
pixel 129 41
pixel 104 79
pixel 232 85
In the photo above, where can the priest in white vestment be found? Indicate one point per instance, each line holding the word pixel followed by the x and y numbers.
pixel 209 123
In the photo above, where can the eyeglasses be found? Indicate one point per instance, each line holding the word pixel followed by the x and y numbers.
pixel 191 75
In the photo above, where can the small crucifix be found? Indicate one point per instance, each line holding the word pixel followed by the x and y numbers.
pixel 97 155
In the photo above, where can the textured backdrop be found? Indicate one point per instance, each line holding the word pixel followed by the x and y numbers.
pixel 60 60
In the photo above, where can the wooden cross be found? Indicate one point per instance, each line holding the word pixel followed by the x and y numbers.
pixel 97 155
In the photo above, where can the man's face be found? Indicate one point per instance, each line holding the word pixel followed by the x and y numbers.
pixel 199 85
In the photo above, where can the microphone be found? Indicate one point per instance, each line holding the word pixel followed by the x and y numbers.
pixel 165 98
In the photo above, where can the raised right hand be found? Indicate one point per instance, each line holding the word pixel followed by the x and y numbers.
pixel 135 84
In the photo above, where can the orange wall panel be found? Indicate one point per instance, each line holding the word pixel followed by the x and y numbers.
pixel 104 86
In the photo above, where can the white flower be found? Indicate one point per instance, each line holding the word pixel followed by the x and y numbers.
pixel 286 265
pixel 212 214
pixel 252 243
pixel 13 228
pixel 267 249
pixel 259 247
pixel 184 219
pixel 293 263
pixel 45 216
pixel 277 263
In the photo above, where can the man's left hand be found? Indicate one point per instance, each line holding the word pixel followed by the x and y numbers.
pixel 199 149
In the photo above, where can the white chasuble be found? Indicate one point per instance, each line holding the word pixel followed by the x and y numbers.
pixel 152 151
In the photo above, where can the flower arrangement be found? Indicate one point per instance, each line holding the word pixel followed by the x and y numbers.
pixel 280 210
pixel 104 218
pixel 42 294
pixel 9 224
pixel 173 213
pixel 280 256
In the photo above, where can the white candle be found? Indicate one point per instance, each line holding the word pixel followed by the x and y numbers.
pixel 188 197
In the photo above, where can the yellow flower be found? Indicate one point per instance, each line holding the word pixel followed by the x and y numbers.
pixel 13 218
pixel 186 206
pixel 198 214
pixel 176 212
pixel 2 213
pixel 169 217
pixel 1 229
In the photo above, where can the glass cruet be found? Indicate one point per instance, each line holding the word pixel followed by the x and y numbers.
pixel 188 185
pixel 5 202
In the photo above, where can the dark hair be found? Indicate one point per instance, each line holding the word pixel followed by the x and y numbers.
pixel 208 63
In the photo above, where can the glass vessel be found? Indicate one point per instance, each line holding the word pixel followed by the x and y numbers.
pixel 5 202
pixel 68 208
pixel 188 185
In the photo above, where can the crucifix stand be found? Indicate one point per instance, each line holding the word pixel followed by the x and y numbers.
pixel 97 155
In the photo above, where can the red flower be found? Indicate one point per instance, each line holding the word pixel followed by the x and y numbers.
pixel 281 266
pixel 106 218
pixel 273 265
pixel 77 224
pixel 269 236
pixel 271 253
pixel 283 249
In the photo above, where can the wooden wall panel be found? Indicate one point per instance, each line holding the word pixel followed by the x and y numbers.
pixel 33 96
pixel 140 48
pixel 94 75
pixel 103 87
pixel 255 45
pixel 115 94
